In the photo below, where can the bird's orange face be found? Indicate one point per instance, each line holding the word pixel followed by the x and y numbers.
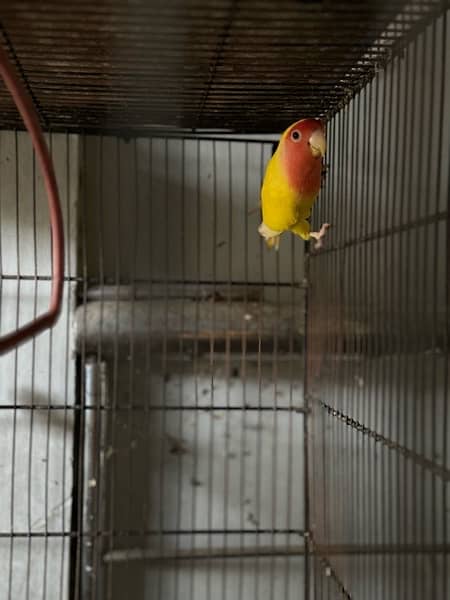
pixel 302 147
pixel 306 136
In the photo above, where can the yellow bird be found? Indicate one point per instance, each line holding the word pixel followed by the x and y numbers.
pixel 292 183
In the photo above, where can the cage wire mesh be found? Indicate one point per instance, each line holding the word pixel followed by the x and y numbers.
pixel 202 367
pixel 209 419
pixel 378 350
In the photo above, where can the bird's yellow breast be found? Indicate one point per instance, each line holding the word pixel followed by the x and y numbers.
pixel 282 205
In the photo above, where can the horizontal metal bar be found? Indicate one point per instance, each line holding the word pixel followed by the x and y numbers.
pixel 329 571
pixel 319 549
pixel 202 554
pixel 422 461
pixel 95 293
pixel 139 409
pixel 11 277
pixel 147 532
pixel 220 291
pixel 380 549
pixel 129 45
pixel 370 237
pixel 82 12
pixel 47 29
pixel 137 554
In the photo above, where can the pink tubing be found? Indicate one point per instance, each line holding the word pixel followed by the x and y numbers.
pixel 27 112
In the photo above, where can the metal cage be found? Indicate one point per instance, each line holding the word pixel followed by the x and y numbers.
pixel 209 419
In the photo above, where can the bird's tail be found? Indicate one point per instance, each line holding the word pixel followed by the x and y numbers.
pixel 271 237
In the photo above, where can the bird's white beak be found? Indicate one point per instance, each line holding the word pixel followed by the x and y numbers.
pixel 317 143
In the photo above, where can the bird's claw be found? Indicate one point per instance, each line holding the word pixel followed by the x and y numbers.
pixel 319 235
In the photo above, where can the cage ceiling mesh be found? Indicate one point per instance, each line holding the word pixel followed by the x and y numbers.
pixel 245 66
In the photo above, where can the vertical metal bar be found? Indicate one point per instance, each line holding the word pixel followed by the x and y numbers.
pixel 306 441
pixel 115 378
pixel 325 516
pixel 383 325
pixel 395 295
pixel 344 190
pixel 439 113
pixel 75 522
pixel 211 369
pixel 405 217
pixel 180 427
pixel 243 468
pixel 351 277
pixel 370 268
pixel 48 431
pixel 422 310
pixel 32 398
pixel 387 371
pixel 101 517
pixel 101 245
pixel 400 391
pixel 345 148
pixel 69 308
pixel 166 277
pixel 259 477
pixel 445 421
pixel 274 455
pixel 101 408
pixel 149 354
pixel 361 350
pixel 131 342
pixel 412 251
pixel 15 370
pixel 366 345
pixel 335 195
pixel 416 257
pixel 226 485
pixel 377 318
pixel 196 366
pixel 338 474
pixel 101 415
pixel 332 517
pixel 395 336
pixel 438 87
pixel 290 435
pixel 318 473
pixel 1 226
pixel 306 514
pixel 94 433
pixel 75 549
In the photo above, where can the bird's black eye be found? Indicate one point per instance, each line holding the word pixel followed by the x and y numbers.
pixel 296 136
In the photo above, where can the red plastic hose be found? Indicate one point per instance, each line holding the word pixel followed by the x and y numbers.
pixel 27 112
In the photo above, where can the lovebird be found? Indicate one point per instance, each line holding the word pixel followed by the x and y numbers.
pixel 292 183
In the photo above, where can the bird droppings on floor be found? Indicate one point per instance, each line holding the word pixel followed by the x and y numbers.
pixel 177 446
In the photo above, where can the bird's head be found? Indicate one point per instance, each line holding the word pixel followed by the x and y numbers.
pixel 305 137
pixel 300 151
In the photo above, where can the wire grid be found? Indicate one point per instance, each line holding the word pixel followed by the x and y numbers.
pixel 105 541
pixel 238 65
pixel 36 381
pixel 189 328
pixel 378 337
pixel 154 448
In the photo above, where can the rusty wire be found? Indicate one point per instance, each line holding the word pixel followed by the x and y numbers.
pixel 246 66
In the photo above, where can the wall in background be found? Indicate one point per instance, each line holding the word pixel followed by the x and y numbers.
pixel 37 382
pixel 220 469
